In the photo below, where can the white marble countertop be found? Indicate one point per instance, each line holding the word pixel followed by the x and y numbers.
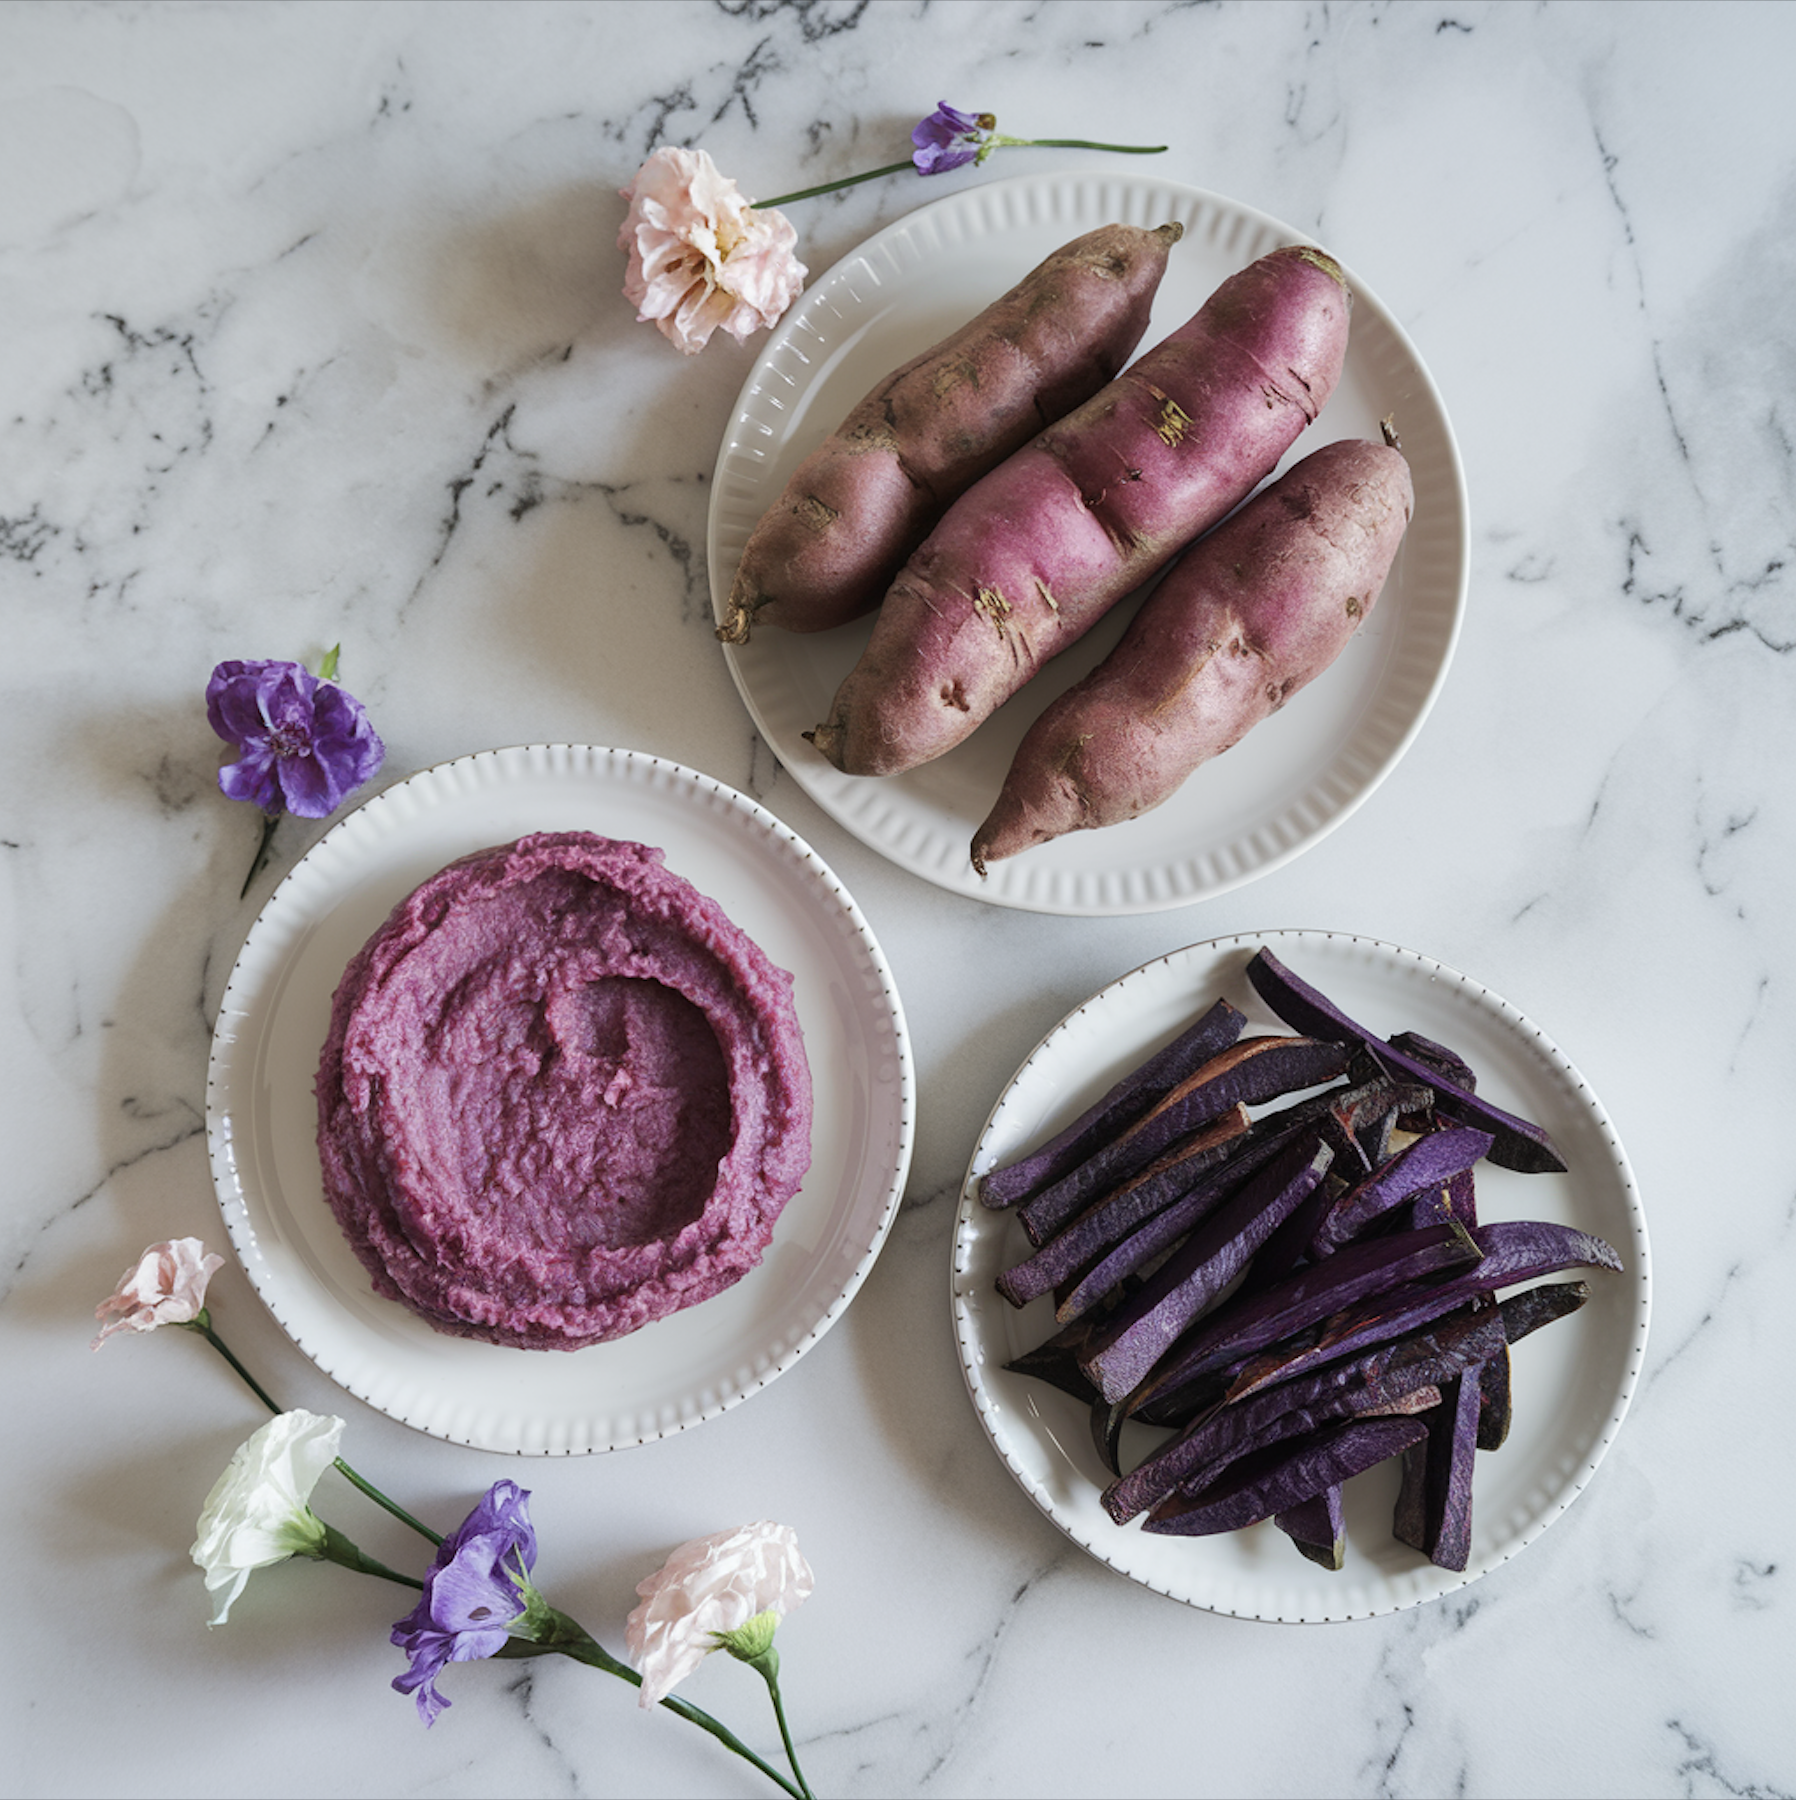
pixel 312 333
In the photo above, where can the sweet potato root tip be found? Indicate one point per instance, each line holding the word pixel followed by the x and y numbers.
pixel 1326 263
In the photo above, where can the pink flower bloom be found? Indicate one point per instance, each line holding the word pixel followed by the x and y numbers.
pixel 167 1287
pixel 701 256
pixel 713 1584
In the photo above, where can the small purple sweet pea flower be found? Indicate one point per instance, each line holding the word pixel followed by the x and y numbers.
pixel 478 1585
pixel 949 139
pixel 305 744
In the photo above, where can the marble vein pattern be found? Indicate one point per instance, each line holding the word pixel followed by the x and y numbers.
pixel 313 335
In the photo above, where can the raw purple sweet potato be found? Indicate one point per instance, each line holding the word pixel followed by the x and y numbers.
pixel 1029 558
pixel 1119 1108
pixel 1519 1144
pixel 861 502
pixel 1245 619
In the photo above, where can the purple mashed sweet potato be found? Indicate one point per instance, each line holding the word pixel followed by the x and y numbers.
pixel 562 1096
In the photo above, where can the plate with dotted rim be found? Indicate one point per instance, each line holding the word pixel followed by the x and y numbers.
pixel 1572 1382
pixel 1291 780
pixel 261 1118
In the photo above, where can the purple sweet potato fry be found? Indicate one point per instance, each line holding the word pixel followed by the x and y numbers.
pixel 1375 1380
pixel 1513 1250
pixel 1106 1222
pixel 1434 1500
pixel 1258 1487
pixel 1448 1065
pixel 1057 1362
pixel 1519 1144
pixel 1318 1526
pixel 1537 1306
pixel 1119 1108
pixel 1253 1324
pixel 1495 1402
pixel 1521 1313
pixel 1128 1344
pixel 1379 1114
pixel 1155 1235
pixel 1458 1199
pixel 1428 1163
pixel 1355 1121
pixel 1248 1072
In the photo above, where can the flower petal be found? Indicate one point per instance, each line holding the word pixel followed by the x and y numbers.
pixel 709 1585
pixel 258 1511
pixel 700 257
pixel 252 777
pixel 167 1286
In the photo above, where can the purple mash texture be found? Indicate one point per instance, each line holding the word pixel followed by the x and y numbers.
pixel 562 1096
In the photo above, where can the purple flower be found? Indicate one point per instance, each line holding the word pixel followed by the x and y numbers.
pixel 304 744
pixel 948 139
pixel 477 1587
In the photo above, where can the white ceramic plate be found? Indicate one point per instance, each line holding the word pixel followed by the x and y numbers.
pixel 1572 1382
pixel 261 1117
pixel 1291 780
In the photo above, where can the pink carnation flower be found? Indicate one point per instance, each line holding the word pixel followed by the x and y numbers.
pixel 167 1287
pixel 700 256
pixel 713 1584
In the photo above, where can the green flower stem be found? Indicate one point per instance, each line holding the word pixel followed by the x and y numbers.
pixel 562 1636
pixel 767 1666
pixel 985 150
pixel 998 143
pixel 203 1325
pixel 829 187
pixel 269 821
pixel 392 1506
pixel 338 1549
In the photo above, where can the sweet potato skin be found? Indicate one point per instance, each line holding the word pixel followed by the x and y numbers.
pixel 862 501
pixel 1250 615
pixel 1030 557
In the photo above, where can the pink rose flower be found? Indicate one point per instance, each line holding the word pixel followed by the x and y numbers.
pixel 167 1287
pixel 713 1584
pixel 701 256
